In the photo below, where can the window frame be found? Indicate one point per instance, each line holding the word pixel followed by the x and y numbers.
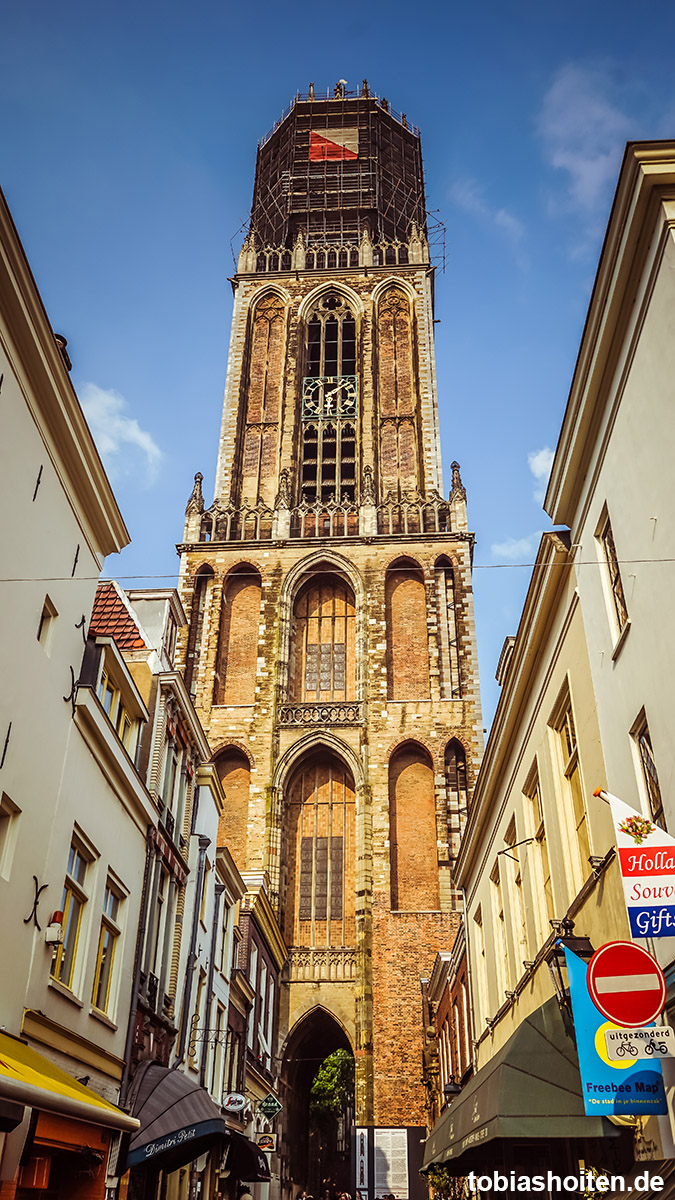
pixel 110 924
pixel 649 779
pixel 563 726
pixel 615 594
pixel 73 889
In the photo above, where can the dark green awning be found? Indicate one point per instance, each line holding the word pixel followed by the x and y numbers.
pixel 530 1089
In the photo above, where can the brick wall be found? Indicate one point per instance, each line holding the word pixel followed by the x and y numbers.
pixel 235 775
pixel 412 831
pixel 407 648
pixel 238 638
pixel 404 946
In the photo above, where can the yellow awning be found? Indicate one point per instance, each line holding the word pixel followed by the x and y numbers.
pixel 26 1077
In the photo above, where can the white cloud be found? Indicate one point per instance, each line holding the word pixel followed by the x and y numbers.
pixel 583 130
pixel 118 436
pixel 540 463
pixel 469 195
pixel 515 550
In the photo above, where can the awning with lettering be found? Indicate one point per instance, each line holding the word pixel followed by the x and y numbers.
pixel 179 1120
pixel 530 1089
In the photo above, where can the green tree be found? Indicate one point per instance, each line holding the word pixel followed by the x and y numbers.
pixel 332 1090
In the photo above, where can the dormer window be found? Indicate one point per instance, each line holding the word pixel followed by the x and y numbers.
pixel 118 697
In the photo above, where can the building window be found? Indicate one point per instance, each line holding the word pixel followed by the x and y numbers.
pixel 263 1044
pixel 72 904
pixel 516 898
pixel 320 900
pixel 9 827
pixel 323 653
pixel 542 888
pixel 105 956
pixel 46 624
pixel 231 1073
pixel 479 941
pixel 124 724
pixel 196 1018
pixel 451 684
pixel 499 924
pixel 456 793
pixel 223 957
pixel 217 1060
pixel 650 775
pixel 567 736
pixel 606 540
pixel 205 892
pixel 329 404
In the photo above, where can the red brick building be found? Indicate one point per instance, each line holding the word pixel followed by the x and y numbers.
pixel 330 648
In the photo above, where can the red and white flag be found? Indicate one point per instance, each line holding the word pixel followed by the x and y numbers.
pixel 333 145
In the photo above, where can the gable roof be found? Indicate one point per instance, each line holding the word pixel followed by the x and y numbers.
pixel 111 618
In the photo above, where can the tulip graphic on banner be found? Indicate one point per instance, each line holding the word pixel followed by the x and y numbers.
pixel 647 861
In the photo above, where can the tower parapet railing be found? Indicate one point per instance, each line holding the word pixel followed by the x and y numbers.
pixel 340 93
pixel 411 514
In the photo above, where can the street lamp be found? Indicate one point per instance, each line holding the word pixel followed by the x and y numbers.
pixel 557 965
pixel 451 1089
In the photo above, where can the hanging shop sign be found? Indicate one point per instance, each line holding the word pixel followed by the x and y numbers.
pixel 611 1086
pixel 234 1102
pixel 626 984
pixel 266 1142
pixel 270 1106
pixel 647 862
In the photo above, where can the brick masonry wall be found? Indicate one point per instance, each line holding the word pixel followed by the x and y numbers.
pixel 404 947
pixel 398 649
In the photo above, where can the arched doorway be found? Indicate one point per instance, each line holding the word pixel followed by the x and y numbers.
pixel 316 1153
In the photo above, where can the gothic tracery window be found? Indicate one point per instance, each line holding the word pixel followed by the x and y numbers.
pixel 319 908
pixel 329 403
pixel 323 647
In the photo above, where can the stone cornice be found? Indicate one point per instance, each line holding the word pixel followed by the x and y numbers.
pixel 646 181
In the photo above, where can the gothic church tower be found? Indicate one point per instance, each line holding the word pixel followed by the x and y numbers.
pixel 330 647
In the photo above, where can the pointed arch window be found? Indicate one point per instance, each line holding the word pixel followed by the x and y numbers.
pixel 202 580
pixel 448 614
pixel 329 403
pixel 319 908
pixel 323 647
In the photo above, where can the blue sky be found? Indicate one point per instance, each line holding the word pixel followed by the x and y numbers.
pixel 128 136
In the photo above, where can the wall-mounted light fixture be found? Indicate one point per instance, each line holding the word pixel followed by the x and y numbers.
pixel 557 965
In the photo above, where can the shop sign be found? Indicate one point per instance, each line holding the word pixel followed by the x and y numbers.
pixel 647 862
pixel 266 1142
pixel 270 1106
pixel 654 1042
pixel 610 1087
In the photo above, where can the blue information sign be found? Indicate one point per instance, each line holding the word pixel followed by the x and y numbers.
pixel 608 1086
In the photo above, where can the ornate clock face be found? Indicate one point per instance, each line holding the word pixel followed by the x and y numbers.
pixel 329 396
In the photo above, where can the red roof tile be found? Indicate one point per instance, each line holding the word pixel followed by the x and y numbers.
pixel 111 618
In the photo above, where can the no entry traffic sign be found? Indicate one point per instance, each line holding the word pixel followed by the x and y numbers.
pixel 626 984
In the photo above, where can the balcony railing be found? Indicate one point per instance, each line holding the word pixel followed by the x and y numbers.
pixel 340 713
pixel 332 964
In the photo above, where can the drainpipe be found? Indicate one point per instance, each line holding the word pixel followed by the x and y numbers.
pixel 220 888
pixel 204 843
pixel 142 922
